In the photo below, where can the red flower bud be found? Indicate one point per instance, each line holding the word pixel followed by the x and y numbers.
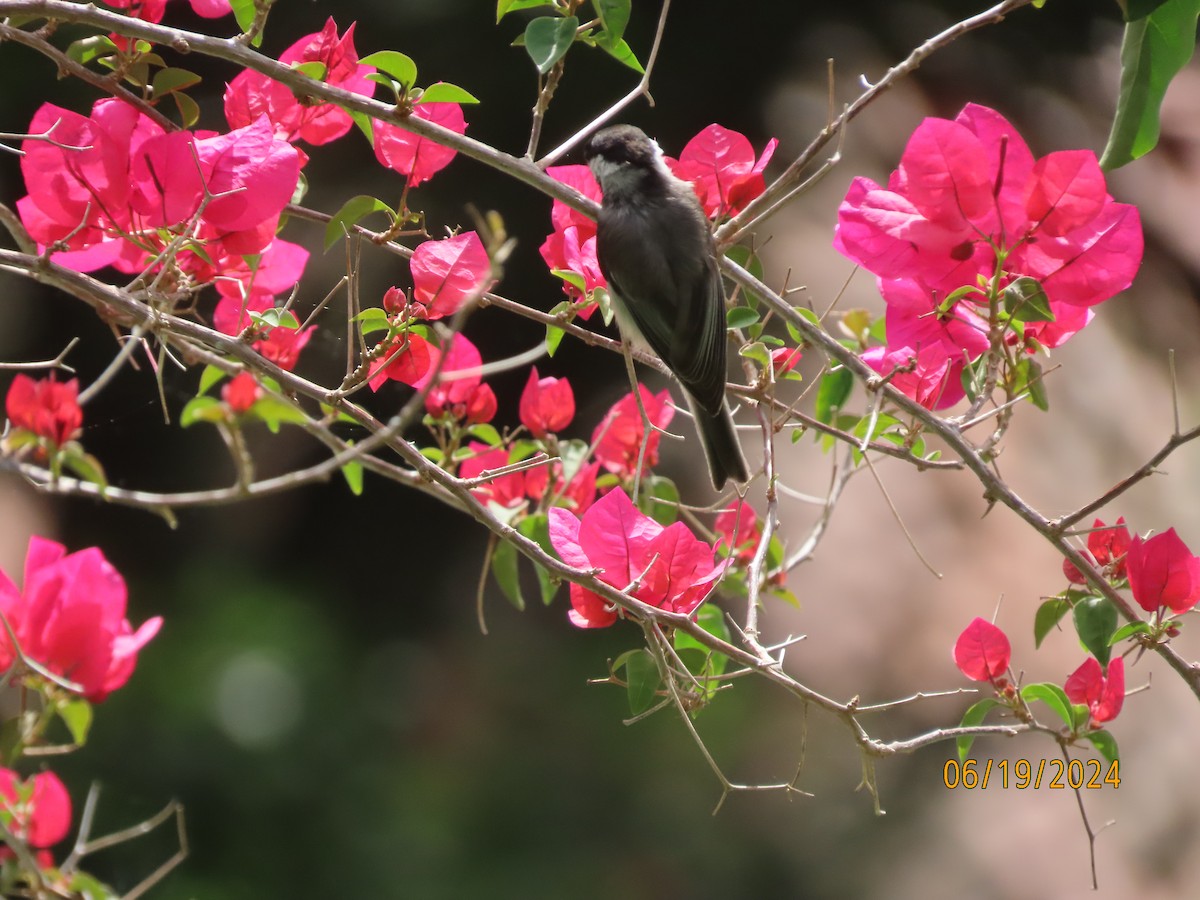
pixel 241 392
pixel 46 407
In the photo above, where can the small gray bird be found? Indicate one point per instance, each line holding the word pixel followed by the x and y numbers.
pixel 655 249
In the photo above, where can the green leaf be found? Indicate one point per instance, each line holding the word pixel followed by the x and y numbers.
pixel 444 92
pixel 353 473
pixel 1127 631
pixel 315 70
pixel 660 499
pixel 201 409
pixel 809 316
pixel 396 64
pixel 974 716
pixel 210 376
pixel 276 317
pixel 243 11
pixel 537 529
pixel 554 336
pixel 1095 622
pixel 504 7
pixel 1054 697
pixel 167 81
pixel 189 110
pixel 1026 301
pixel 1105 743
pixel 507 574
pixel 833 391
pixel 274 412
pixel 85 466
pixel 614 16
pixel 624 54
pixel 88 49
pixel 364 123
pixel 548 38
pixel 486 433
pixel 741 317
pixel 352 212
pixel 76 714
pixel 711 618
pixel 1048 615
pixel 1027 376
pixel 642 680
pixel 1155 48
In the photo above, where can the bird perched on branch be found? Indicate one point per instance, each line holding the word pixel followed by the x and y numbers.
pixel 655 249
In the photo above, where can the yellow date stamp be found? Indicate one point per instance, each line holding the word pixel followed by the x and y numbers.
pixel 1024 774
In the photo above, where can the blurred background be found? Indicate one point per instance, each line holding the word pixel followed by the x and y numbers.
pixel 321 699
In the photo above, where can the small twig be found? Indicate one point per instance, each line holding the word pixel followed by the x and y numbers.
pixel 642 89
pixel 59 361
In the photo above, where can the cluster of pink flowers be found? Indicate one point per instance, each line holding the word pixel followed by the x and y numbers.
pixel 40 808
pixel 1162 572
pixel 445 275
pixel 69 616
pixel 719 163
pixel 669 568
pixel 105 188
pixel 970 207
pixel 547 406
pixel 618 437
pixel 982 653
pixel 45 407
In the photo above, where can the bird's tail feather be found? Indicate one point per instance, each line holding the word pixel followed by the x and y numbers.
pixel 719 440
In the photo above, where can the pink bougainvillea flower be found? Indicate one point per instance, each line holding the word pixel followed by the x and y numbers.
pixel 48 408
pixel 282 346
pixel 394 300
pixel 669 568
pixel 245 287
pixel 503 490
pixel 252 173
pixel 618 437
pixel 41 812
pixel 739 530
pixel 935 382
pixel 153 10
pixel 1163 572
pixel 1103 693
pixel 407 360
pixel 721 166
pixel 1107 546
pixel 241 392
pixel 79 184
pixel 784 359
pixel 969 201
pixel 70 617
pixel 912 319
pixel 232 314
pixel 582 180
pixel 413 156
pixel 446 273
pixel 571 246
pixel 982 651
pixel 547 404
pixel 112 181
pixel 252 94
pixel 578 494
pixel 464 395
pixel 572 250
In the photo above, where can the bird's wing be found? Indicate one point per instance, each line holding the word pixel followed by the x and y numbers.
pixel 677 304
